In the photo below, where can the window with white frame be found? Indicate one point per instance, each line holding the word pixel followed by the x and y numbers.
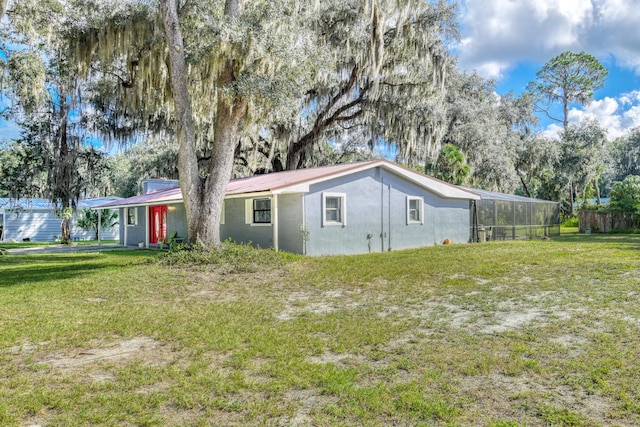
pixel 334 209
pixel 132 216
pixel 262 211
pixel 415 210
pixel 258 211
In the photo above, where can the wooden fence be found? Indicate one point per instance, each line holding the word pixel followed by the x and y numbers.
pixel 603 222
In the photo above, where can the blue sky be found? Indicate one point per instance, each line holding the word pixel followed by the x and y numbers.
pixel 509 40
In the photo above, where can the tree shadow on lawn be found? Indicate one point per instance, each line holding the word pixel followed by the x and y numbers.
pixel 32 269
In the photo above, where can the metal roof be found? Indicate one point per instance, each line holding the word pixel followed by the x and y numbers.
pixel 299 180
pixel 494 195
pixel 29 203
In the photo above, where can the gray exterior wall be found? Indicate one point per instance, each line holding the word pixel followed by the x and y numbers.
pixel 376 210
pixel 135 233
pixel 291 218
pixel 155 184
pixel 43 225
pixel 177 220
pixel 235 228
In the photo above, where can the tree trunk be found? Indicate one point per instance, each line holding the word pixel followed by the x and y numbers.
pixel 203 197
pixel 571 211
pixel 190 183
pixel 65 229
pixel 63 174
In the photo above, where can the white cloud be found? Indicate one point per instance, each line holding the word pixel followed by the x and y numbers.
pixel 616 115
pixel 499 33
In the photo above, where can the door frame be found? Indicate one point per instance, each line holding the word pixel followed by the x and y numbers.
pixel 157 223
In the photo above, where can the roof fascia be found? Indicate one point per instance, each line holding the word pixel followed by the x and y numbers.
pixel 249 195
pixel 409 176
pixel 167 202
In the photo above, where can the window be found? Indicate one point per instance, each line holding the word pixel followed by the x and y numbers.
pixel 414 210
pixel 132 216
pixel 257 211
pixel 262 211
pixel 334 208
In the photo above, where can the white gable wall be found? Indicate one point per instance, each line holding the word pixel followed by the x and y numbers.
pixel 43 225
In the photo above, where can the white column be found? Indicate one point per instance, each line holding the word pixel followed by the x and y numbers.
pixel 99 226
pixel 274 221
pixel 125 220
pixel 146 232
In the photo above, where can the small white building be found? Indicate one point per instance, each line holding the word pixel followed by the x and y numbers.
pixel 36 220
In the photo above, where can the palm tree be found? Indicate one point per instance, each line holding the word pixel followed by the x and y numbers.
pixel 88 220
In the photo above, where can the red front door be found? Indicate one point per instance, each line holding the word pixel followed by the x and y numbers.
pixel 157 224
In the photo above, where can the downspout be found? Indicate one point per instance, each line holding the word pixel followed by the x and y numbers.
pixel 99 227
pixel 304 227
pixel 125 211
pixel 275 222
pixel 474 222
pixel 382 213
pixel 389 218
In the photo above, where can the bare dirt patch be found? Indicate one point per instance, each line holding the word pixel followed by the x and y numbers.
pixel 112 352
pixel 307 400
pixel 503 391
pixel 512 320
pixel 317 302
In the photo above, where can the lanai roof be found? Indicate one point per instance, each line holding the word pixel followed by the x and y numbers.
pixel 29 203
pixel 300 180
pixel 494 195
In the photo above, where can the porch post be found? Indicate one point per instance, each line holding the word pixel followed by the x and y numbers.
pixel 99 226
pixel 125 222
pixel 274 210
pixel 146 232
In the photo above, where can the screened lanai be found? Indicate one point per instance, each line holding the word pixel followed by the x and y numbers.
pixel 508 217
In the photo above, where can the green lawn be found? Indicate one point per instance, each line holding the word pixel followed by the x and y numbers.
pixel 499 334
pixel 38 244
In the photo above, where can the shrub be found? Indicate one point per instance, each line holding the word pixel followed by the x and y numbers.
pixel 230 257
pixel 625 197
pixel 570 221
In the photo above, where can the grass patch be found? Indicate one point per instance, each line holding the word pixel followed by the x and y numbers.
pixel 19 245
pixel 499 334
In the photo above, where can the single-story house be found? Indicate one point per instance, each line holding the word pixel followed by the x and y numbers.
pixel 36 220
pixel 344 209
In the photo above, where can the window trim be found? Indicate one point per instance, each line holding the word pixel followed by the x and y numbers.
pixel 249 212
pixel 343 209
pixel 135 216
pixel 420 201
